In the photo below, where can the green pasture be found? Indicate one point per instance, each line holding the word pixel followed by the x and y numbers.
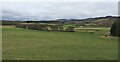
pixel 68 25
pixel 25 44
pixel 93 29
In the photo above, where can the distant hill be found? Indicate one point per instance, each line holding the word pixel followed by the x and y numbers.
pixel 97 21
pixel 101 21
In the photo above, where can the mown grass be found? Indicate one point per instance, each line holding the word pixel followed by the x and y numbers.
pixel 24 44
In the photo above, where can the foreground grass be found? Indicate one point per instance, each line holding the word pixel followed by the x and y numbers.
pixel 22 44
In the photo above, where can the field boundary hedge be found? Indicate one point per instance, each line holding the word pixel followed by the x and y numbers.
pixel 45 27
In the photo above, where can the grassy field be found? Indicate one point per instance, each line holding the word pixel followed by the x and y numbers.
pixel 24 44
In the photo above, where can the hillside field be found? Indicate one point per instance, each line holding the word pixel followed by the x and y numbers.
pixel 25 44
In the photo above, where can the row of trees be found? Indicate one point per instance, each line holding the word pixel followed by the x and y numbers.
pixel 10 22
pixel 44 27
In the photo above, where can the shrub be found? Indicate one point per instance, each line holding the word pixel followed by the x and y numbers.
pixel 54 28
pixel 115 29
pixel 70 29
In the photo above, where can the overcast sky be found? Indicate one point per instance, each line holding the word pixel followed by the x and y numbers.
pixel 60 0
pixel 57 10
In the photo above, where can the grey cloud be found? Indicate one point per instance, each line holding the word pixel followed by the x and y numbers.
pixel 46 11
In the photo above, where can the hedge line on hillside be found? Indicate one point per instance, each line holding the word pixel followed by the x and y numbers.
pixel 44 27
pixel 10 22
